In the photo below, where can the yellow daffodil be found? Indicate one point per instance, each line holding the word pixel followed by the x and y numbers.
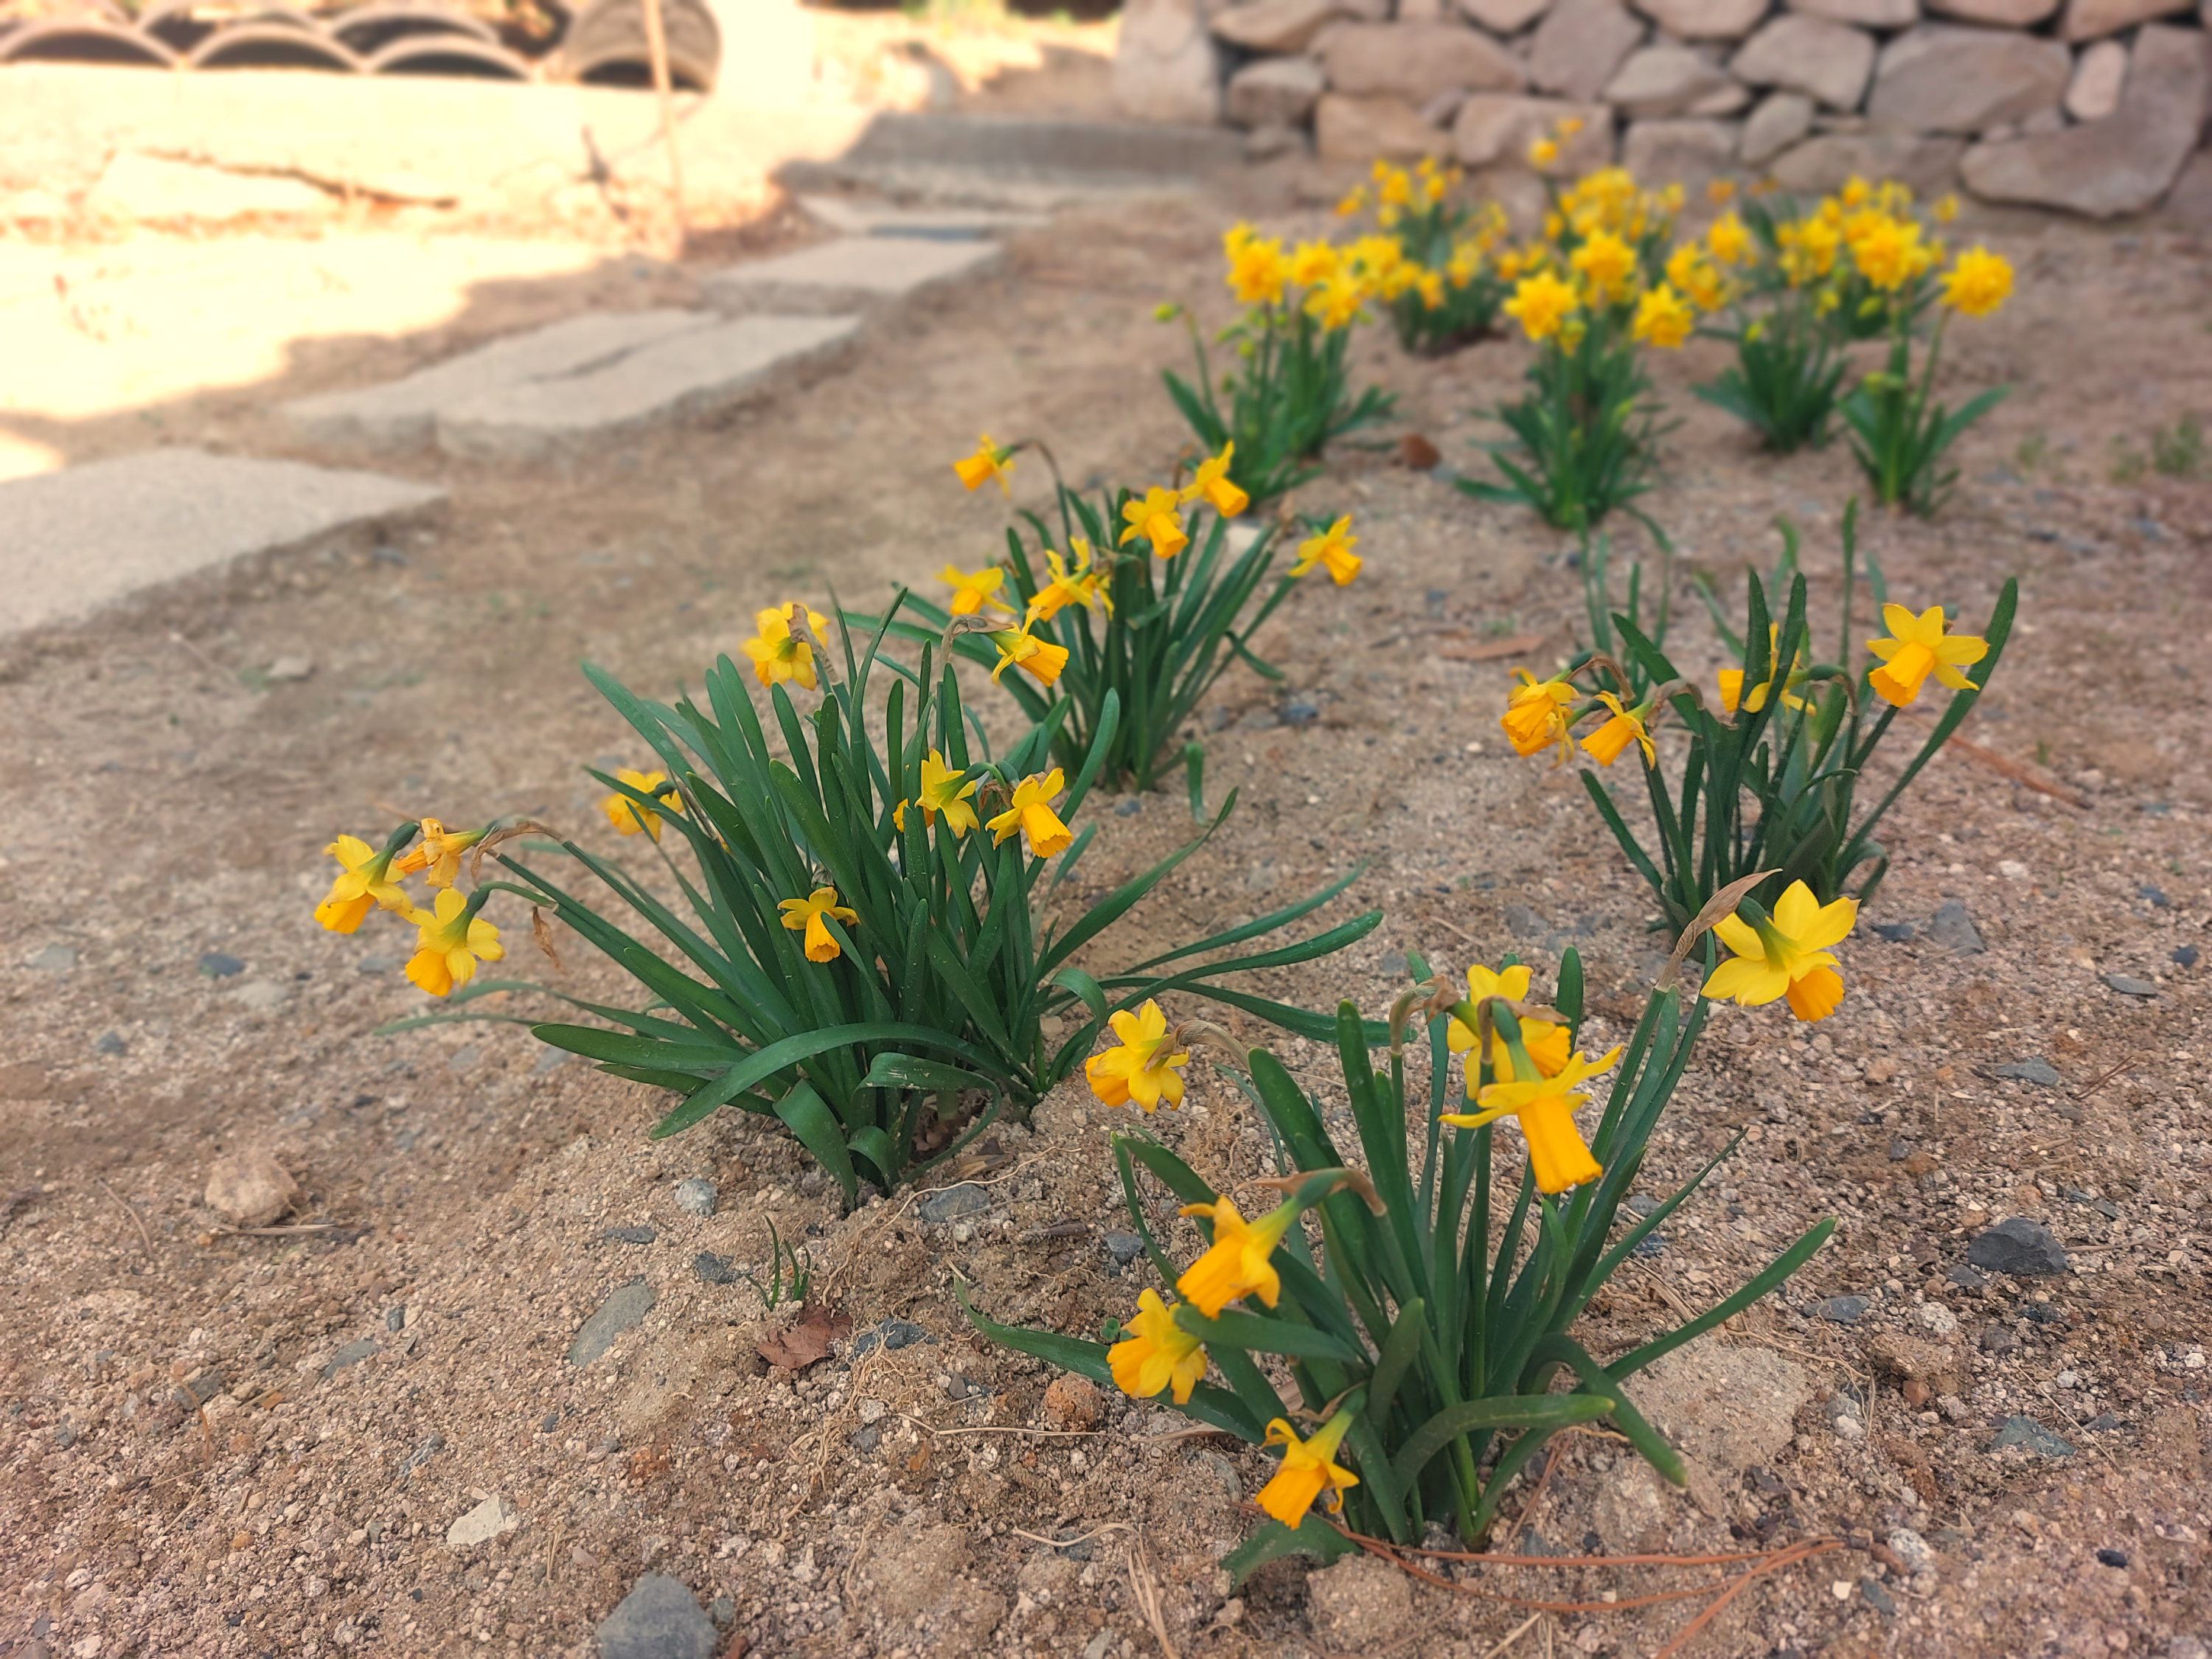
pixel 1784 955
pixel 1041 659
pixel 1392 187
pixel 974 589
pixel 1627 726
pixel 1030 813
pixel 1731 680
pixel 990 460
pixel 804 915
pixel 1720 191
pixel 1156 516
pixel 1156 1353
pixel 1545 1108
pixel 1544 1043
pixel 1211 481
pixel 1352 202
pixel 1309 1471
pixel 1977 282
pixel 1258 270
pixel 1728 241
pixel 440 854
pixel 1945 209
pixel 1544 152
pixel 1918 647
pixel 1886 250
pixel 942 791
pixel 1607 264
pixel 1569 126
pixel 1313 263
pixel 626 815
pixel 780 655
pixel 1536 713
pixel 450 940
pixel 1333 548
pixel 1138 1069
pixel 364 882
pixel 1335 303
pixel 1541 304
pixel 1664 317
pixel 1080 585
pixel 1235 1264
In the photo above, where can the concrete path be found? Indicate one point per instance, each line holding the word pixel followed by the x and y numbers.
pixel 73 541
pixel 853 273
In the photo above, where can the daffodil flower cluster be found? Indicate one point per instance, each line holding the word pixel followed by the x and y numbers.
pixel 1390 1320
pixel 1433 265
pixel 450 937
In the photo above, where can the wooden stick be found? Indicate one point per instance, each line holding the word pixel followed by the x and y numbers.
pixel 656 45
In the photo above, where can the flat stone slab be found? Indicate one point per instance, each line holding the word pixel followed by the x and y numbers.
pixel 852 216
pixel 404 412
pixel 853 273
pixel 73 541
pixel 684 374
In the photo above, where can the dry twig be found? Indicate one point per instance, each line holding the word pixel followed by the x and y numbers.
pixel 1146 1590
pixel 144 1237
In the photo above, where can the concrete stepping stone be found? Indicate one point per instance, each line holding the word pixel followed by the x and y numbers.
pixel 690 373
pixel 73 541
pixel 859 216
pixel 404 412
pixel 853 273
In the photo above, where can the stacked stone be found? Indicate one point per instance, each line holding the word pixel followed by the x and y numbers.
pixel 2090 105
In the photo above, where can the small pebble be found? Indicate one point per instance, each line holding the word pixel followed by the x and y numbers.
pixel 628 1234
pixel 2034 1069
pixel 2185 955
pixel 1876 1596
pixel 107 1042
pixel 696 1196
pixel 714 1269
pixel 1124 1247
pixel 2113 1558
pixel 1129 808
pixel 2153 894
pixel 1897 932
pixel 217 964
pixel 2067 1379
pixel 2129 986
pixel 1843 1309
pixel 1849 1428
pixel 966 1198
pixel 395 1319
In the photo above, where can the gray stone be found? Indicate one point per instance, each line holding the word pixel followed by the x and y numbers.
pixel 1872 1593
pixel 966 1198
pixel 136 186
pixel 2017 1245
pixel 1658 81
pixel 1940 79
pixel 1723 1406
pixel 1442 110
pixel 706 369
pixel 2098 74
pixel 697 1196
pixel 483 1523
pixel 723 1612
pixel 404 413
pixel 659 1619
pixel 1781 119
pixel 87 536
pixel 890 1335
pixel 1349 129
pixel 395 1318
pixel 2121 164
pixel 1166 66
pixel 1275 92
pixel 714 1269
pixel 1866 14
pixel 2129 986
pixel 1414 61
pixel 1501 16
pixel 1730 98
pixel 1686 152
pixel 853 273
pixel 464 1057
pixel 1951 927
pixel 2034 1069
pixel 1705 19
pixel 288 669
pixel 51 958
pixel 628 1234
pixel 2093 20
pixel 1828 62
pixel 379 962
pixel 249 1189
pixel 1843 1310
pixel 1124 1247
pixel 109 1042
pixel 1277 26
pixel 933 221
pixel 1997 13
pixel 620 1312
pixel 2025 1431
pixel 1579 47
pixel 1495 130
pixel 1266 143
pixel 263 995
pixel 349 1356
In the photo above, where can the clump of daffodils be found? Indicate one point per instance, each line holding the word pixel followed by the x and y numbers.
pixel 1433 261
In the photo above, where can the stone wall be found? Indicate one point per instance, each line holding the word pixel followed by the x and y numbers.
pixel 2090 105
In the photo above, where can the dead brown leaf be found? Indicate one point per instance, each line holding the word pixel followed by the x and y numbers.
pixel 808 1340
pixel 1489 650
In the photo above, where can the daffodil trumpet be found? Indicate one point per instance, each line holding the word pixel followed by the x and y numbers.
pixel 1502 1016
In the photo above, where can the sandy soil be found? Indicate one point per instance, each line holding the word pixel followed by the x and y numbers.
pixel 197 1456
